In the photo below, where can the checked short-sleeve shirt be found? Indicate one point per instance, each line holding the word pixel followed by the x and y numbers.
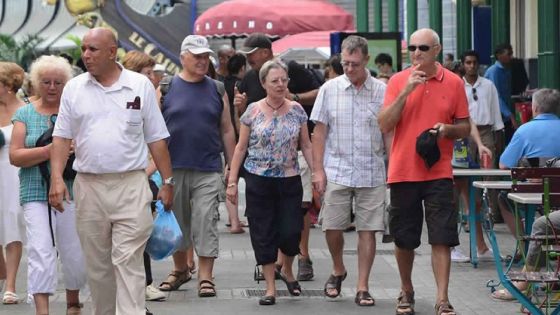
pixel 354 143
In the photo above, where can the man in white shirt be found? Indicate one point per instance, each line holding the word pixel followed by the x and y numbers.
pixel 484 106
pixel 112 117
pixel 484 110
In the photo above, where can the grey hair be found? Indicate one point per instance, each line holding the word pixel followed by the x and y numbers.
pixel 46 63
pixel 547 101
pixel 353 42
pixel 224 49
pixel 269 65
pixel 434 34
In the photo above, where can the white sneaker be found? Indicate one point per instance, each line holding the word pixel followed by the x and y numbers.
pixel 458 256
pixel 486 256
pixel 154 294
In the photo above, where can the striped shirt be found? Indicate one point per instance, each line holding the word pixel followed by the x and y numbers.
pixel 354 143
pixel 31 184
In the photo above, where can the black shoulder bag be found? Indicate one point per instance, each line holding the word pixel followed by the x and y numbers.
pixel 45 139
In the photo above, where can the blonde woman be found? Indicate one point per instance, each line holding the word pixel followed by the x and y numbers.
pixel 49 232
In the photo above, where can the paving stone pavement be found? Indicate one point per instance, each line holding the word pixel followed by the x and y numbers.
pixel 234 273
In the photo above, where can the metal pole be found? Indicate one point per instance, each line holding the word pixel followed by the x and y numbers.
pixel 362 16
pixel 464 26
pixel 393 16
pixel 500 22
pixel 411 17
pixel 378 16
pixel 435 19
pixel 549 44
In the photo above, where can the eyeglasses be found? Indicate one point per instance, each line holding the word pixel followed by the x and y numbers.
pixel 474 96
pixel 348 64
pixel 48 83
pixel 280 81
pixel 412 48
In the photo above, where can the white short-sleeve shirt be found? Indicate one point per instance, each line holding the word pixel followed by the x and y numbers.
pixel 484 109
pixel 110 125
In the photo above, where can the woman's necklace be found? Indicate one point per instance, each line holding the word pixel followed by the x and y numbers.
pixel 275 109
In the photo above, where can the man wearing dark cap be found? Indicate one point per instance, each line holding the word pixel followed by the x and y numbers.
pixel 423 96
pixel 198 120
pixel 303 88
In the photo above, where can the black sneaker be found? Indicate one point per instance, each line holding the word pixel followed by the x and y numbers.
pixel 305 269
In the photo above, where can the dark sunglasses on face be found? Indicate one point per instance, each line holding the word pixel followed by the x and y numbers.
pixel 475 97
pixel 424 48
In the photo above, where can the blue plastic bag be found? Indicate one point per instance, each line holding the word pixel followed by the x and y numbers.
pixel 166 236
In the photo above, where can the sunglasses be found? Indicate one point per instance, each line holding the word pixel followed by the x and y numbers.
pixel 475 97
pixel 424 48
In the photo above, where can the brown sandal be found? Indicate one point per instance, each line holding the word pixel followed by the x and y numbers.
pixel 444 308
pixel 175 280
pixel 405 304
pixel 74 308
pixel 206 288
pixel 363 298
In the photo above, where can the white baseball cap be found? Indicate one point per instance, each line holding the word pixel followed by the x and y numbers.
pixel 196 45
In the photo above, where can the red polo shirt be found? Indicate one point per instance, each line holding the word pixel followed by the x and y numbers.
pixel 441 99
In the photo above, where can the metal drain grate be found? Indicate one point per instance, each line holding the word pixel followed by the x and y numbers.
pixel 354 252
pixel 282 293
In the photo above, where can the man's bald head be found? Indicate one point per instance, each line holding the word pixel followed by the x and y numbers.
pixel 104 34
pixel 423 32
pixel 99 52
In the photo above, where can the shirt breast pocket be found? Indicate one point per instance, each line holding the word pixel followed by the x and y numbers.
pixel 134 124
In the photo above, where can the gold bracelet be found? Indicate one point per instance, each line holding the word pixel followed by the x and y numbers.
pixel 231 185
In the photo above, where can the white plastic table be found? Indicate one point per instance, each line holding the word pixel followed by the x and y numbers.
pixel 473 174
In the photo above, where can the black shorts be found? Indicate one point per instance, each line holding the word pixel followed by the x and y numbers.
pixel 274 215
pixel 406 215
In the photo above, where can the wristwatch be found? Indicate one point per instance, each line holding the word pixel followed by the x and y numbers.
pixel 169 181
pixel 295 98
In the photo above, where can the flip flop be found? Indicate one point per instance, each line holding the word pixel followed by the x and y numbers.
pixel 242 224
pixel 239 231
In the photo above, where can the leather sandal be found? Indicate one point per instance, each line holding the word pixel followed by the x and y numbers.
pixel 363 298
pixel 206 288
pixel 405 304
pixel 10 298
pixel 444 308
pixel 74 308
pixel 267 300
pixel 293 287
pixel 334 282
pixel 175 280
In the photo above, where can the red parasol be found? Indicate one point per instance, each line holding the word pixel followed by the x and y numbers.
pixel 276 18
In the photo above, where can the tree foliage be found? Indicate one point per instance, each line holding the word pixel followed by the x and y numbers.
pixel 22 52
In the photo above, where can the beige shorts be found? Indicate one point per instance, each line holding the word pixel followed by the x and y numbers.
pixel 305 173
pixel 195 202
pixel 369 205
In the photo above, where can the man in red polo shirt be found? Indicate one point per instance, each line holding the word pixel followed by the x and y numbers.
pixel 424 96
